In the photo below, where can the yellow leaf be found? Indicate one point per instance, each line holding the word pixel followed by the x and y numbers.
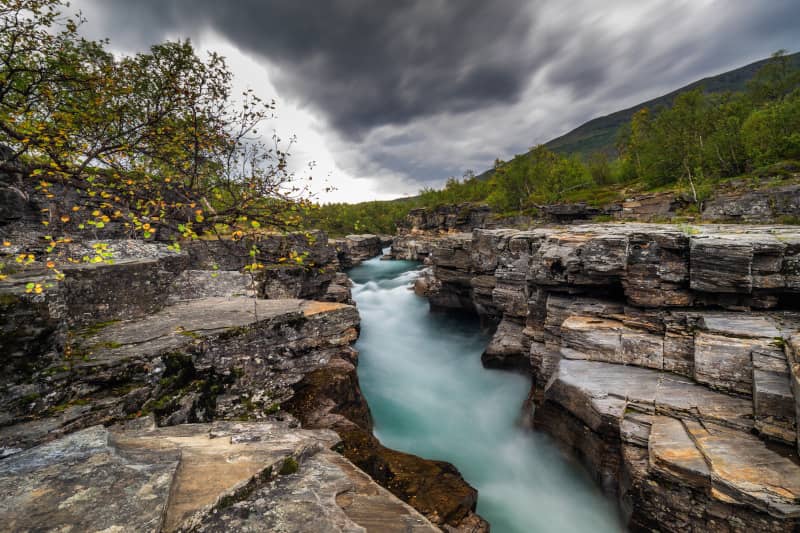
pixel 64 218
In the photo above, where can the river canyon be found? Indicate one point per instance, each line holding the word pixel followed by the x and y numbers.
pixel 429 394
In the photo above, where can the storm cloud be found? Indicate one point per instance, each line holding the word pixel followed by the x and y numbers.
pixel 416 90
pixel 363 63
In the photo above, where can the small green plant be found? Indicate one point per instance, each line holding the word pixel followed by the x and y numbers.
pixel 289 466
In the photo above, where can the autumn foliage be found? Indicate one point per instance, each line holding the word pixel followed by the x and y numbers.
pixel 156 140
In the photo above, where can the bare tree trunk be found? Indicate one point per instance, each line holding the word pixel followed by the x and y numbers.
pixel 691 182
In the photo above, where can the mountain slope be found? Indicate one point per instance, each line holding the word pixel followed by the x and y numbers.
pixel 598 134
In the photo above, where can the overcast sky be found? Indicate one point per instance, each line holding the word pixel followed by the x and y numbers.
pixel 390 96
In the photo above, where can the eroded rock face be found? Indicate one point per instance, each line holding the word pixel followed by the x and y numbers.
pixel 413 246
pixel 195 361
pixel 228 476
pixel 506 349
pixel 331 398
pixel 665 358
pixel 461 217
pixel 355 249
pixel 187 337
pixel 755 206
pixel 651 266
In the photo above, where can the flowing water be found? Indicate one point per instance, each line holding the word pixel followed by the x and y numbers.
pixel 429 394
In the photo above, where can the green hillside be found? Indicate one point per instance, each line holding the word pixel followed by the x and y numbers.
pixel 599 133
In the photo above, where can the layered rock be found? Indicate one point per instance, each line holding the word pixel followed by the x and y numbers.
pixel 355 249
pixel 185 338
pixel 331 398
pixel 446 218
pixel 194 361
pixel 664 357
pixel 769 204
pixel 413 246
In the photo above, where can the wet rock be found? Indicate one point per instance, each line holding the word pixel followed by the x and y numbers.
pixel 629 347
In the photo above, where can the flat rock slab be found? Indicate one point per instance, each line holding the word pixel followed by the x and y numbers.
pixel 674 454
pixel 743 467
pixel 83 482
pixel 219 459
pixel 209 477
pixel 596 392
pixel 739 325
pixel 180 325
pixel 327 494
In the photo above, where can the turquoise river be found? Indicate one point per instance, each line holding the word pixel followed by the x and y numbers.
pixel 429 394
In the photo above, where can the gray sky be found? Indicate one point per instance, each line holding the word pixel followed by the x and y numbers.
pixel 390 96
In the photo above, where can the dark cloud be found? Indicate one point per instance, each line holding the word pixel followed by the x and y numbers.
pixel 427 88
pixel 362 63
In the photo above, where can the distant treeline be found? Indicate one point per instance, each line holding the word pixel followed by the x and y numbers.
pixel 379 217
pixel 692 145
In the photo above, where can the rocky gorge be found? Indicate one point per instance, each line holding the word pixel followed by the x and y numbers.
pixel 664 357
pixel 160 363
pixel 170 389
